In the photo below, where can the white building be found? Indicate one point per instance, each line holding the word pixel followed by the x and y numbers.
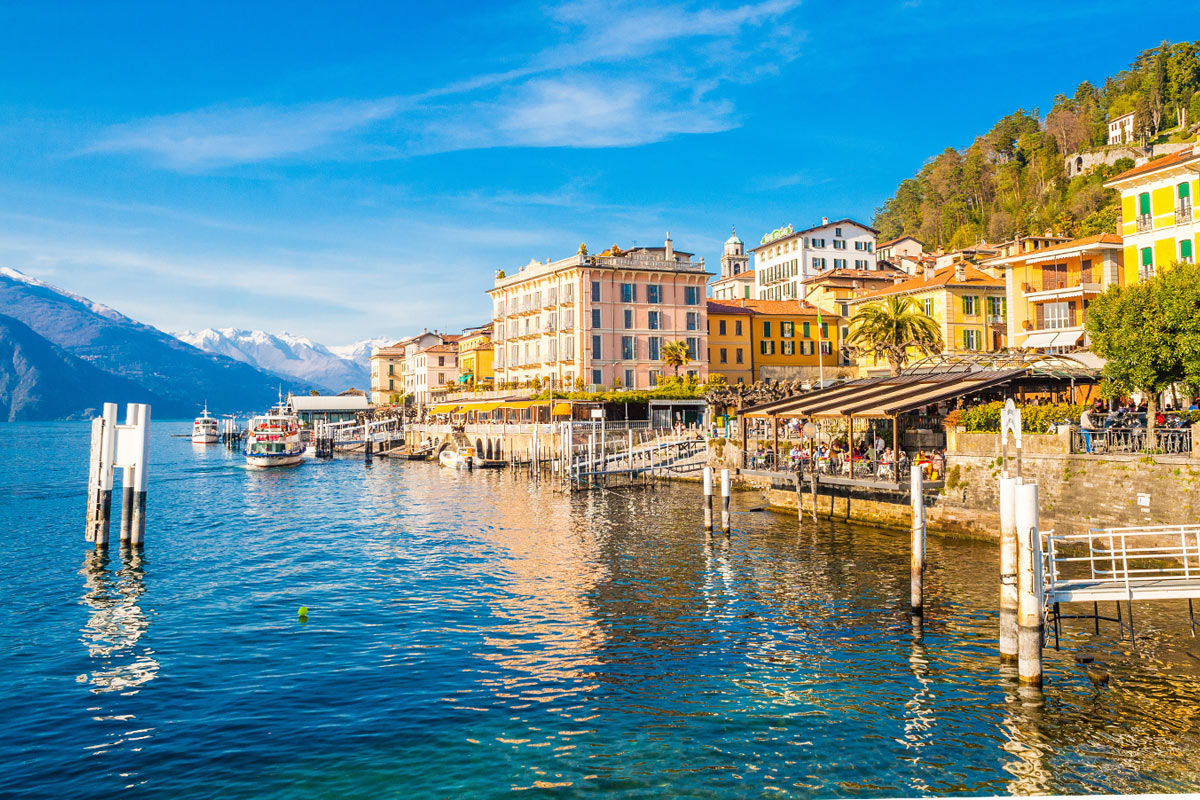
pixel 900 247
pixel 1120 129
pixel 737 279
pixel 786 257
pixel 434 367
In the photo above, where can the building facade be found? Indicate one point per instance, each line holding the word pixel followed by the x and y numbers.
pixel 1120 129
pixel 599 320
pixel 1048 290
pixel 967 303
pixel 900 247
pixel 737 279
pixel 751 340
pixel 475 357
pixel 832 292
pixel 1158 219
pixel 786 257
pixel 387 374
pixel 434 369
pixel 730 348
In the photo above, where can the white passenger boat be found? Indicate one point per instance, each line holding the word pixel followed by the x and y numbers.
pixel 273 440
pixel 457 457
pixel 205 429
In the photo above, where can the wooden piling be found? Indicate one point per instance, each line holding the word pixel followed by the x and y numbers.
pixel 1008 570
pixel 812 483
pixel 708 498
pixel 1029 590
pixel 917 559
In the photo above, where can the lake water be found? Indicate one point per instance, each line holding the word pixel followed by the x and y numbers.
pixel 476 634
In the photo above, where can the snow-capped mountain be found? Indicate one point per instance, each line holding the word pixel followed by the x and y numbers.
pixel 62 355
pixel 285 354
pixel 360 352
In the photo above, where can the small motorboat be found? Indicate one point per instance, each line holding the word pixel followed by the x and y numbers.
pixel 461 457
pixel 205 428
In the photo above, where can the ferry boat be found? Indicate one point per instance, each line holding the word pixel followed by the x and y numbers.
pixel 273 440
pixel 205 429
pixel 461 457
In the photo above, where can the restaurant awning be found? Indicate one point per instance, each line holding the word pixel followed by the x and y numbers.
pixel 1039 339
pixel 561 410
pixel 1067 339
pixel 443 408
pixel 884 397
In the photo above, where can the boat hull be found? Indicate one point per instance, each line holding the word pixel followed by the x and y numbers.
pixel 452 460
pixel 274 459
pixel 204 438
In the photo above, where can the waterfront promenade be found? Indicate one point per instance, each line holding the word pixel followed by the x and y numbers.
pixel 477 634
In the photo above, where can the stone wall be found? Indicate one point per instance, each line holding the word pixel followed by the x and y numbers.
pixel 1077 492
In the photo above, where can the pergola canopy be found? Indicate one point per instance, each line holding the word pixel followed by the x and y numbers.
pixel 886 396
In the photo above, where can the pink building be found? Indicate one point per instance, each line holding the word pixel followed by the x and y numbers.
pixel 600 319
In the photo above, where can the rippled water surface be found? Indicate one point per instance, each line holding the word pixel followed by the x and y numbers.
pixel 476 634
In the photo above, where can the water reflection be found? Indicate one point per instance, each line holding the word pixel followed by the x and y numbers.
pixel 1026 740
pixel 116 623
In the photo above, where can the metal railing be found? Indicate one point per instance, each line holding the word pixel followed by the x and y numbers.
pixel 1171 441
pixel 1183 213
pixel 1121 561
pixel 1145 222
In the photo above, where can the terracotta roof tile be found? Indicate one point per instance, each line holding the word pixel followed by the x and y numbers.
pixel 1169 160
pixel 882 274
pixel 943 277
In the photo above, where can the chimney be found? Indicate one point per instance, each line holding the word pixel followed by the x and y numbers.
pixel 669 255
pixel 930 271
pixel 824 220
pixel 960 271
pixel 897 280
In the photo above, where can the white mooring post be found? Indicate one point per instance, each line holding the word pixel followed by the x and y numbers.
pixel 1008 570
pixel 726 488
pixel 917 562
pixel 113 446
pixel 1029 588
pixel 708 498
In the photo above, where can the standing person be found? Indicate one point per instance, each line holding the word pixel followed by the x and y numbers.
pixel 1086 427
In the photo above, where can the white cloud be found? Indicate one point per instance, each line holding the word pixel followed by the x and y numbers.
pixel 619 74
pixel 217 136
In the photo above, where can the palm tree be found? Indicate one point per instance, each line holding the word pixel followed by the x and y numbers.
pixel 675 354
pixel 890 328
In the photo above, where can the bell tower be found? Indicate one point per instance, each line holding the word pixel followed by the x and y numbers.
pixel 734 260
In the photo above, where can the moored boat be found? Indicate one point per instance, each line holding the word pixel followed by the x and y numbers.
pixel 273 440
pixel 205 428
pixel 462 457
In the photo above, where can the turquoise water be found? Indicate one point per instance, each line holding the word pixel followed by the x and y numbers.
pixel 478 634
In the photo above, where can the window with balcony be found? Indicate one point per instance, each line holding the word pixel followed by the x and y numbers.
pixel 1054 276
pixel 1145 221
pixel 1183 203
pixel 691 295
pixel 996 309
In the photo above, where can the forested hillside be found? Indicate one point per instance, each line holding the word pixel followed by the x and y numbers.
pixel 1012 179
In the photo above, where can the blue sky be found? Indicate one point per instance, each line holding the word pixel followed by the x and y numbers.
pixel 342 171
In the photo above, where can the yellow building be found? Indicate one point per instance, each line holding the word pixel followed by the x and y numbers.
pixel 387 374
pixel 730 352
pixel 475 358
pixel 1158 221
pixel 781 339
pixel 1048 290
pixel 832 290
pixel 967 303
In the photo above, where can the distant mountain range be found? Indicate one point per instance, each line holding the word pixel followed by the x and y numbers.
pixel 337 368
pixel 62 356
